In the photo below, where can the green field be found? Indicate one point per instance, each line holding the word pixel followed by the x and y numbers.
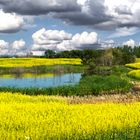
pixel 41 118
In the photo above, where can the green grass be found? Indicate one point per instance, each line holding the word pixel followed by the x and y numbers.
pixel 104 85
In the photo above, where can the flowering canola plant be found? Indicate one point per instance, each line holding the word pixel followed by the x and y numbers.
pixel 52 118
pixel 134 73
pixel 31 62
pixel 135 65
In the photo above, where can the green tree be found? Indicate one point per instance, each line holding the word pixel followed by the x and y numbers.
pixel 127 54
pixel 50 54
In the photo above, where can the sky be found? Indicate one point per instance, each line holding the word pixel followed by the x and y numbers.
pixel 59 25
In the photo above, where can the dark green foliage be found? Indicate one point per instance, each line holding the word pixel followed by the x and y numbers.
pixel 120 70
pixel 128 55
pixel 106 57
pixel 106 70
pixel 117 56
pixel 103 70
pixel 89 55
pixel 50 54
pixel 137 51
pixel 104 84
pixel 91 67
pixel 61 91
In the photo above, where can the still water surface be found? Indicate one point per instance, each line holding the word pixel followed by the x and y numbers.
pixel 40 81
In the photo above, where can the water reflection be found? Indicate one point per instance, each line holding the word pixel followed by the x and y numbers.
pixel 26 80
pixel 27 75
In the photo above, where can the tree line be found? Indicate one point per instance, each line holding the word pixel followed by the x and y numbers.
pixel 106 57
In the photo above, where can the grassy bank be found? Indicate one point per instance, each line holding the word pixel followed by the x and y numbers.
pixel 42 117
pixel 89 85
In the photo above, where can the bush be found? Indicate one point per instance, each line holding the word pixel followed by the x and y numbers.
pixel 102 85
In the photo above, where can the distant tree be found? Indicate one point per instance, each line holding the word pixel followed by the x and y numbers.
pixel 50 54
pixel 91 67
pixel 70 54
pixel 117 56
pixel 108 57
pixel 137 51
pixel 76 53
pixel 88 55
pixel 127 54
pixel 29 54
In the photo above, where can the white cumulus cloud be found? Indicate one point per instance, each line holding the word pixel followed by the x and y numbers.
pixel 15 48
pixel 44 36
pixel 130 42
pixel 10 22
pixel 18 47
pixel 108 44
pixel 85 38
pixel 4 47
pixel 3 44
pixel 60 40
pixel 18 44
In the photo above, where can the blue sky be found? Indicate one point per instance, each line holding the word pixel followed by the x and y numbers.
pixel 60 25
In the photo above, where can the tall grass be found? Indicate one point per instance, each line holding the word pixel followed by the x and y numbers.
pixel 104 85
pixel 44 118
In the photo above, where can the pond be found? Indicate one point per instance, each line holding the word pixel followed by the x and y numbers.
pixel 39 81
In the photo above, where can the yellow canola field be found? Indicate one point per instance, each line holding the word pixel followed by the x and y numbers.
pixel 135 65
pixel 31 62
pixel 134 73
pixel 52 118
